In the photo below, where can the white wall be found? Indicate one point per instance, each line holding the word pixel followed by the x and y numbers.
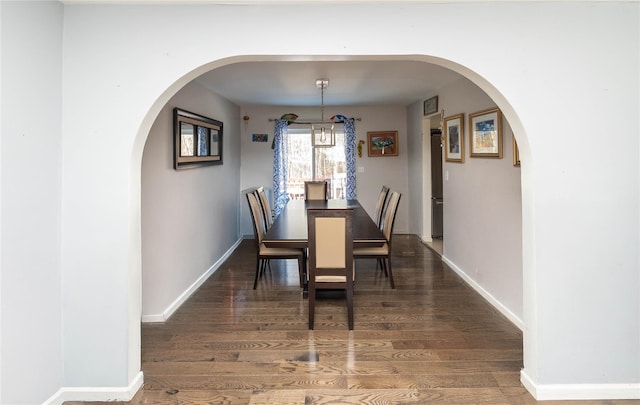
pixel 31 313
pixel 550 67
pixel 189 217
pixel 257 157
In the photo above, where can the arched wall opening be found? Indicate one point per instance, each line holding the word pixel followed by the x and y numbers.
pixel 490 90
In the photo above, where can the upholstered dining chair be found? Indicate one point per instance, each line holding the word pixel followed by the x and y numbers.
pixel 380 206
pixel 383 252
pixel 266 207
pixel 315 190
pixel 330 255
pixel 264 254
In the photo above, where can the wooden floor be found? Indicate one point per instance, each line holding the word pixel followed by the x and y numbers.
pixel 431 340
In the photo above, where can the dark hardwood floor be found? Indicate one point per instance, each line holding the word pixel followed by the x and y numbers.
pixel 431 340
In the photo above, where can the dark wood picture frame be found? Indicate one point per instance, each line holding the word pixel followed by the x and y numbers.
pixel 382 143
pixel 197 140
pixel 430 106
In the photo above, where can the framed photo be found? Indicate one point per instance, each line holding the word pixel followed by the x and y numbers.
pixel 383 143
pixel 259 137
pixel 454 138
pixel 485 133
pixel 197 140
pixel 431 105
pixel 516 152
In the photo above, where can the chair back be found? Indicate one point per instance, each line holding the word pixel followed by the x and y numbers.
pixel 390 215
pixel 330 255
pixel 382 199
pixel 315 190
pixel 256 216
pixel 330 244
pixel 266 208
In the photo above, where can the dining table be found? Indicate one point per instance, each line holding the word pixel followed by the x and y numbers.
pixel 289 229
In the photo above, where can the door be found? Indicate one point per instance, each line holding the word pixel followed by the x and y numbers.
pixel 437 202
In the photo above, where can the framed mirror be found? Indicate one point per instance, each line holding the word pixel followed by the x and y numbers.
pixel 197 140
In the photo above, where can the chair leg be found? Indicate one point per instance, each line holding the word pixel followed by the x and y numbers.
pixel 312 304
pixel 393 285
pixel 350 308
pixel 301 270
pixel 258 269
pixel 383 267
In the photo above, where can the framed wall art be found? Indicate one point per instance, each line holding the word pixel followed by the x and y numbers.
pixel 430 106
pixel 259 137
pixel 485 133
pixel 454 138
pixel 516 152
pixel 382 143
pixel 197 140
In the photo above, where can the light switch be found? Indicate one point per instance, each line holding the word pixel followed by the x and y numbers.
pixel 360 169
pixel 446 175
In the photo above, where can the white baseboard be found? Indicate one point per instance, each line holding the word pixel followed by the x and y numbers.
pixel 102 394
pixel 557 392
pixel 149 318
pixel 486 295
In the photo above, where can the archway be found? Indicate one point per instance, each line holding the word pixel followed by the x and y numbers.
pixel 179 84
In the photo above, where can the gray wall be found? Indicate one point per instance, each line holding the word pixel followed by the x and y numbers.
pixel 190 216
pixel 482 210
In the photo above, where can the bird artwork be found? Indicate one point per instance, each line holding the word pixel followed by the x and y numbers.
pixel 289 117
pixel 339 117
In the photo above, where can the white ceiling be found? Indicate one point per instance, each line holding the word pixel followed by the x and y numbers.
pixel 351 83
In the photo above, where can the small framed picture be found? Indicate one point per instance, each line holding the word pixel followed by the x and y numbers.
pixel 431 105
pixel 516 152
pixel 485 133
pixel 454 138
pixel 383 143
pixel 259 137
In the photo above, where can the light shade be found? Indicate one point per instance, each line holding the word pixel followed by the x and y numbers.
pixel 323 135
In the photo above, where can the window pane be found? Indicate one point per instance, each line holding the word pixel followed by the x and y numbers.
pixel 328 163
pixel 331 165
pixel 299 158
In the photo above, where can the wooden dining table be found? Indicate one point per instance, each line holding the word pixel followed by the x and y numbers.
pixel 289 230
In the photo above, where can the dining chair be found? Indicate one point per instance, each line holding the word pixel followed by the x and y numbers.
pixel 383 252
pixel 330 260
pixel 264 254
pixel 265 206
pixel 315 190
pixel 380 206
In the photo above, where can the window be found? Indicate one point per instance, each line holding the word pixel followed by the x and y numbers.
pixel 305 163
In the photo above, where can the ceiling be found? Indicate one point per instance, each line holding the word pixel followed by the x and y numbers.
pixel 351 83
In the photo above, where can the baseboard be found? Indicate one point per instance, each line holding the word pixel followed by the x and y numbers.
pixel 102 394
pixel 486 295
pixel 557 392
pixel 150 318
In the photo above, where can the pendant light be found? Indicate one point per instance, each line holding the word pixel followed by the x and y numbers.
pixel 323 134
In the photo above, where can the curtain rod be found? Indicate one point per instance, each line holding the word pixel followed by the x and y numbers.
pixel 314 122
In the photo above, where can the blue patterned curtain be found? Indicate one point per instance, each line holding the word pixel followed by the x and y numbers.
pixel 350 153
pixel 280 197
